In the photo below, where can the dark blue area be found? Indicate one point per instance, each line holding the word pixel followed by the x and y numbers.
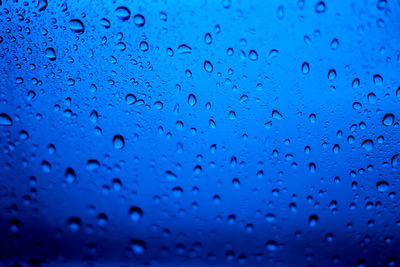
pixel 199 133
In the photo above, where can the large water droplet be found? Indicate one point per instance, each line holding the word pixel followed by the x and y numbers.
pixel 277 115
pixel 139 20
pixel 5 120
pixel 51 54
pixel 76 26
pixel 388 119
pixel 118 141
pixel 123 13
pixel 382 186
pixel 208 66
pixel 192 100
pixel 135 213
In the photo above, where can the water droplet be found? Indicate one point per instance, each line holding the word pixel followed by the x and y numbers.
pixel 158 105
pixel 138 246
pixel 94 116
pixel 388 119
pixel 70 175
pixel 367 144
pixel 170 176
pixel 253 55
pixel 232 115
pixel 312 118
pixel 334 44
pixel 305 68
pixel 42 5
pixel 243 98
pixel 130 99
pixel 378 80
pixel 139 20
pixel 76 26
pixel 320 7
pixel 312 220
pixel 192 100
pixel 331 74
pixel 212 123
pixel 74 224
pixel 208 38
pixel 144 46
pixel 355 83
pixel 135 213
pixel 123 13
pixel 51 54
pixel 271 245
pixel 357 105
pixel 277 115
pixel 92 165
pixel 280 12
pixel 5 120
pixel 184 49
pixel 118 141
pixel 105 23
pixel 208 66
pixel 382 186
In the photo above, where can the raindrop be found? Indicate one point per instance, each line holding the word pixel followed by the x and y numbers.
pixel 208 66
pixel 277 115
pixel 51 54
pixel 331 74
pixel 184 49
pixel 135 213
pixel 76 26
pixel 192 100
pixel 139 20
pixel 305 68
pixel 382 186
pixel 320 7
pixel 144 46
pixel 208 38
pixel 74 224
pixel 312 220
pixel 5 120
pixel 253 55
pixel 123 13
pixel 388 119
pixel 367 144
pixel 378 80
pixel 118 141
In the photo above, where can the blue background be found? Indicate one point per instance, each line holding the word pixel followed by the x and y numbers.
pixel 197 133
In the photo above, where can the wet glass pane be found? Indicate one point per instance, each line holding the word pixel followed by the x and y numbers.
pixel 199 133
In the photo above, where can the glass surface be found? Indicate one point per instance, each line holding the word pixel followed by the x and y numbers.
pixel 199 133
